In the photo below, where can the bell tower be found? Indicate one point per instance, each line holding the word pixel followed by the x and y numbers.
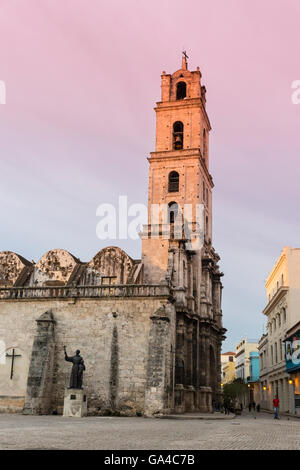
pixel 179 166
pixel 180 187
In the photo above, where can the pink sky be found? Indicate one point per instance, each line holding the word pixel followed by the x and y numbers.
pixel 82 79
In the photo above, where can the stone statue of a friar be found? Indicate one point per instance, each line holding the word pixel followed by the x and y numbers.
pixel 77 369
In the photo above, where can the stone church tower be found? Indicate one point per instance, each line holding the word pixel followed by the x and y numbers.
pixel 179 179
pixel 150 330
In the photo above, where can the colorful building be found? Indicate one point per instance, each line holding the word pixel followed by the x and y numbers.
pixel 242 365
pixel 228 367
pixel 279 374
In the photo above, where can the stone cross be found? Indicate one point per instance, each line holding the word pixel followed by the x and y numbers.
pixel 13 356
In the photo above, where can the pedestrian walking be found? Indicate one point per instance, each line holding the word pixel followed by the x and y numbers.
pixel 253 405
pixel 226 407
pixel 276 407
pixel 213 405
pixel 258 407
pixel 249 406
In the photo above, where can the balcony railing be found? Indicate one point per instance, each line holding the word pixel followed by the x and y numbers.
pixel 130 290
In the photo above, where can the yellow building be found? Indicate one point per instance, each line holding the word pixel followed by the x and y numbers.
pixel 229 372
pixel 228 367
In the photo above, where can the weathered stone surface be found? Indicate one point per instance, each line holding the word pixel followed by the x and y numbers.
pixel 12 268
pixel 55 268
pixel 75 403
pixel 160 367
pixel 113 264
pixel 111 360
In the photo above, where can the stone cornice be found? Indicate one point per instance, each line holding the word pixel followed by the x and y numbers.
pixel 276 268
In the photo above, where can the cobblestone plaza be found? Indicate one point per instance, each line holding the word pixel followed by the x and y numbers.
pixel 19 432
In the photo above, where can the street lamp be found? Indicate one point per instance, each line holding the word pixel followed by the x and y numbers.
pixel 291 381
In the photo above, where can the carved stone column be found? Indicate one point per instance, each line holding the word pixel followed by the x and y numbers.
pixel 205 293
pixel 218 360
pixel 189 361
pixel 195 354
pixel 217 293
pixel 204 390
pixel 189 388
pixel 180 364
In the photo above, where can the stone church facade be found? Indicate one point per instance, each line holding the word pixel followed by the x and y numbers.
pixel 149 330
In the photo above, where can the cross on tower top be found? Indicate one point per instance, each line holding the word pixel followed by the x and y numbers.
pixel 184 60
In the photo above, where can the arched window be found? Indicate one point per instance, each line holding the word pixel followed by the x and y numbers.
pixel 284 314
pixel 181 91
pixel 177 135
pixel 172 212
pixel 173 186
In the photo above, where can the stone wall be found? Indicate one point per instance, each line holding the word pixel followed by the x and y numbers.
pixel 112 335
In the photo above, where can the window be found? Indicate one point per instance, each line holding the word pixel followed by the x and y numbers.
pixel 271 354
pixel 276 354
pixel 172 212
pixel 181 91
pixel 173 182
pixel 284 314
pixel 281 350
pixel 261 361
pixel 177 135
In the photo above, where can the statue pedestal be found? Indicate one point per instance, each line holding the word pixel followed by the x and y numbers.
pixel 75 404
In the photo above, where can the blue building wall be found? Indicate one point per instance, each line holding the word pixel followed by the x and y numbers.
pixel 254 366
